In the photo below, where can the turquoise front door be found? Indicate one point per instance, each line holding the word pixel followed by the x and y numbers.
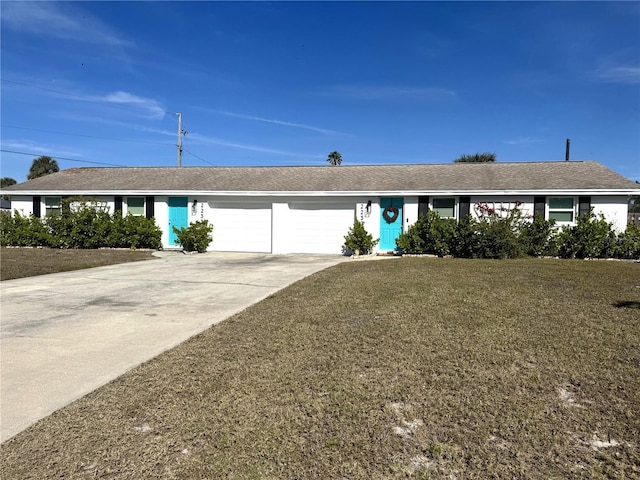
pixel 390 222
pixel 178 216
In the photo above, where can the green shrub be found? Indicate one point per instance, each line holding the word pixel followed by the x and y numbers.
pixel 196 237
pixel 498 231
pixel 628 244
pixel 21 231
pixel 430 234
pixel 591 237
pixel 358 240
pixel 133 231
pixel 466 238
pixel 80 223
pixel 538 237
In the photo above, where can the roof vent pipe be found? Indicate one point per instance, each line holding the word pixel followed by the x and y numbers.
pixel 566 153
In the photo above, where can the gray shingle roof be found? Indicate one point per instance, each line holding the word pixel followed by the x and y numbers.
pixel 459 177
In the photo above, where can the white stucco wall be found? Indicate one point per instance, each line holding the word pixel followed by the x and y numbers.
pixel 501 203
pixel 410 212
pixel 614 209
pixel 24 205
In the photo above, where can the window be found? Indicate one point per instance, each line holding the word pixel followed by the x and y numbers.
pixel 52 205
pixel 445 207
pixel 561 209
pixel 135 206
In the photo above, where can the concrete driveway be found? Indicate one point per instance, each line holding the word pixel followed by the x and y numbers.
pixel 66 334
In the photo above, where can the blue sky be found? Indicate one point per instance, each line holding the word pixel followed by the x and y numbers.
pixel 285 83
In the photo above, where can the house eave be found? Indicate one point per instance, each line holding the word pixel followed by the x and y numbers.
pixel 368 193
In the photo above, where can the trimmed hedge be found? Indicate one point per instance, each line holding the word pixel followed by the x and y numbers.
pixel 80 224
pixel 504 232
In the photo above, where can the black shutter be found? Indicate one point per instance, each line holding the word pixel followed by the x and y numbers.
pixel 117 204
pixel 423 206
pixel 37 212
pixel 64 204
pixel 149 203
pixel 464 207
pixel 538 205
pixel 584 206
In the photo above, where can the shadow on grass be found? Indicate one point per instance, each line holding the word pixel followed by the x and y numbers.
pixel 627 304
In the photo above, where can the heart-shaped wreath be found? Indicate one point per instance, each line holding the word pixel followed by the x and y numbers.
pixel 390 214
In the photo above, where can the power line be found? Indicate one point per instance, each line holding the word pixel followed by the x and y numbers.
pixel 82 135
pixel 63 158
pixel 199 158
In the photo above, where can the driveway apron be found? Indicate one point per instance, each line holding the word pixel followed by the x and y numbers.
pixel 66 334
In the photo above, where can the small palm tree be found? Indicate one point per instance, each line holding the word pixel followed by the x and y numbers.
pixel 334 158
pixel 42 166
pixel 477 158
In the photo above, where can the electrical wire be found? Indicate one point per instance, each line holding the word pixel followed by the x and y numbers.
pixel 90 99
pixel 82 135
pixel 199 158
pixel 63 158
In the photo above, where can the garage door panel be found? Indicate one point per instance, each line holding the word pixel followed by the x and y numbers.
pixel 320 228
pixel 241 227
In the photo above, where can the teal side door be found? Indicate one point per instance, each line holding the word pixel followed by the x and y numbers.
pixel 178 216
pixel 390 230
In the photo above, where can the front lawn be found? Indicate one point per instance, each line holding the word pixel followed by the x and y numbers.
pixel 401 368
pixel 28 262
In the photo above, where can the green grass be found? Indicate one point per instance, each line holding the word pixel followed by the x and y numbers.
pixel 29 262
pixel 406 368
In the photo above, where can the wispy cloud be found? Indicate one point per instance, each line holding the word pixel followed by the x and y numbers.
pixel 29 146
pixel 149 105
pixel 522 141
pixel 49 19
pixel 621 74
pixel 369 92
pixel 324 131
pixel 199 138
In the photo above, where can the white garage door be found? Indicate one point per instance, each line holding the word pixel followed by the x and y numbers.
pixel 241 227
pixel 320 228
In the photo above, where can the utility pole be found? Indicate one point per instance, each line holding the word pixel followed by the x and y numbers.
pixel 179 139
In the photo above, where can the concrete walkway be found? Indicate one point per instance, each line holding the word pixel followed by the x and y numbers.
pixel 66 334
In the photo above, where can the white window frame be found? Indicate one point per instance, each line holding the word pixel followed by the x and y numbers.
pixel 143 206
pixel 551 210
pixel 54 207
pixel 453 199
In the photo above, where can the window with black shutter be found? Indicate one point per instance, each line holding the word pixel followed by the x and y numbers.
pixel 423 205
pixel 584 206
pixel 464 207
pixel 538 205
pixel 37 212
pixel 117 204
pixel 150 207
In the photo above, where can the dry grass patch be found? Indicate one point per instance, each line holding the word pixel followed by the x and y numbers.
pixel 410 368
pixel 29 262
